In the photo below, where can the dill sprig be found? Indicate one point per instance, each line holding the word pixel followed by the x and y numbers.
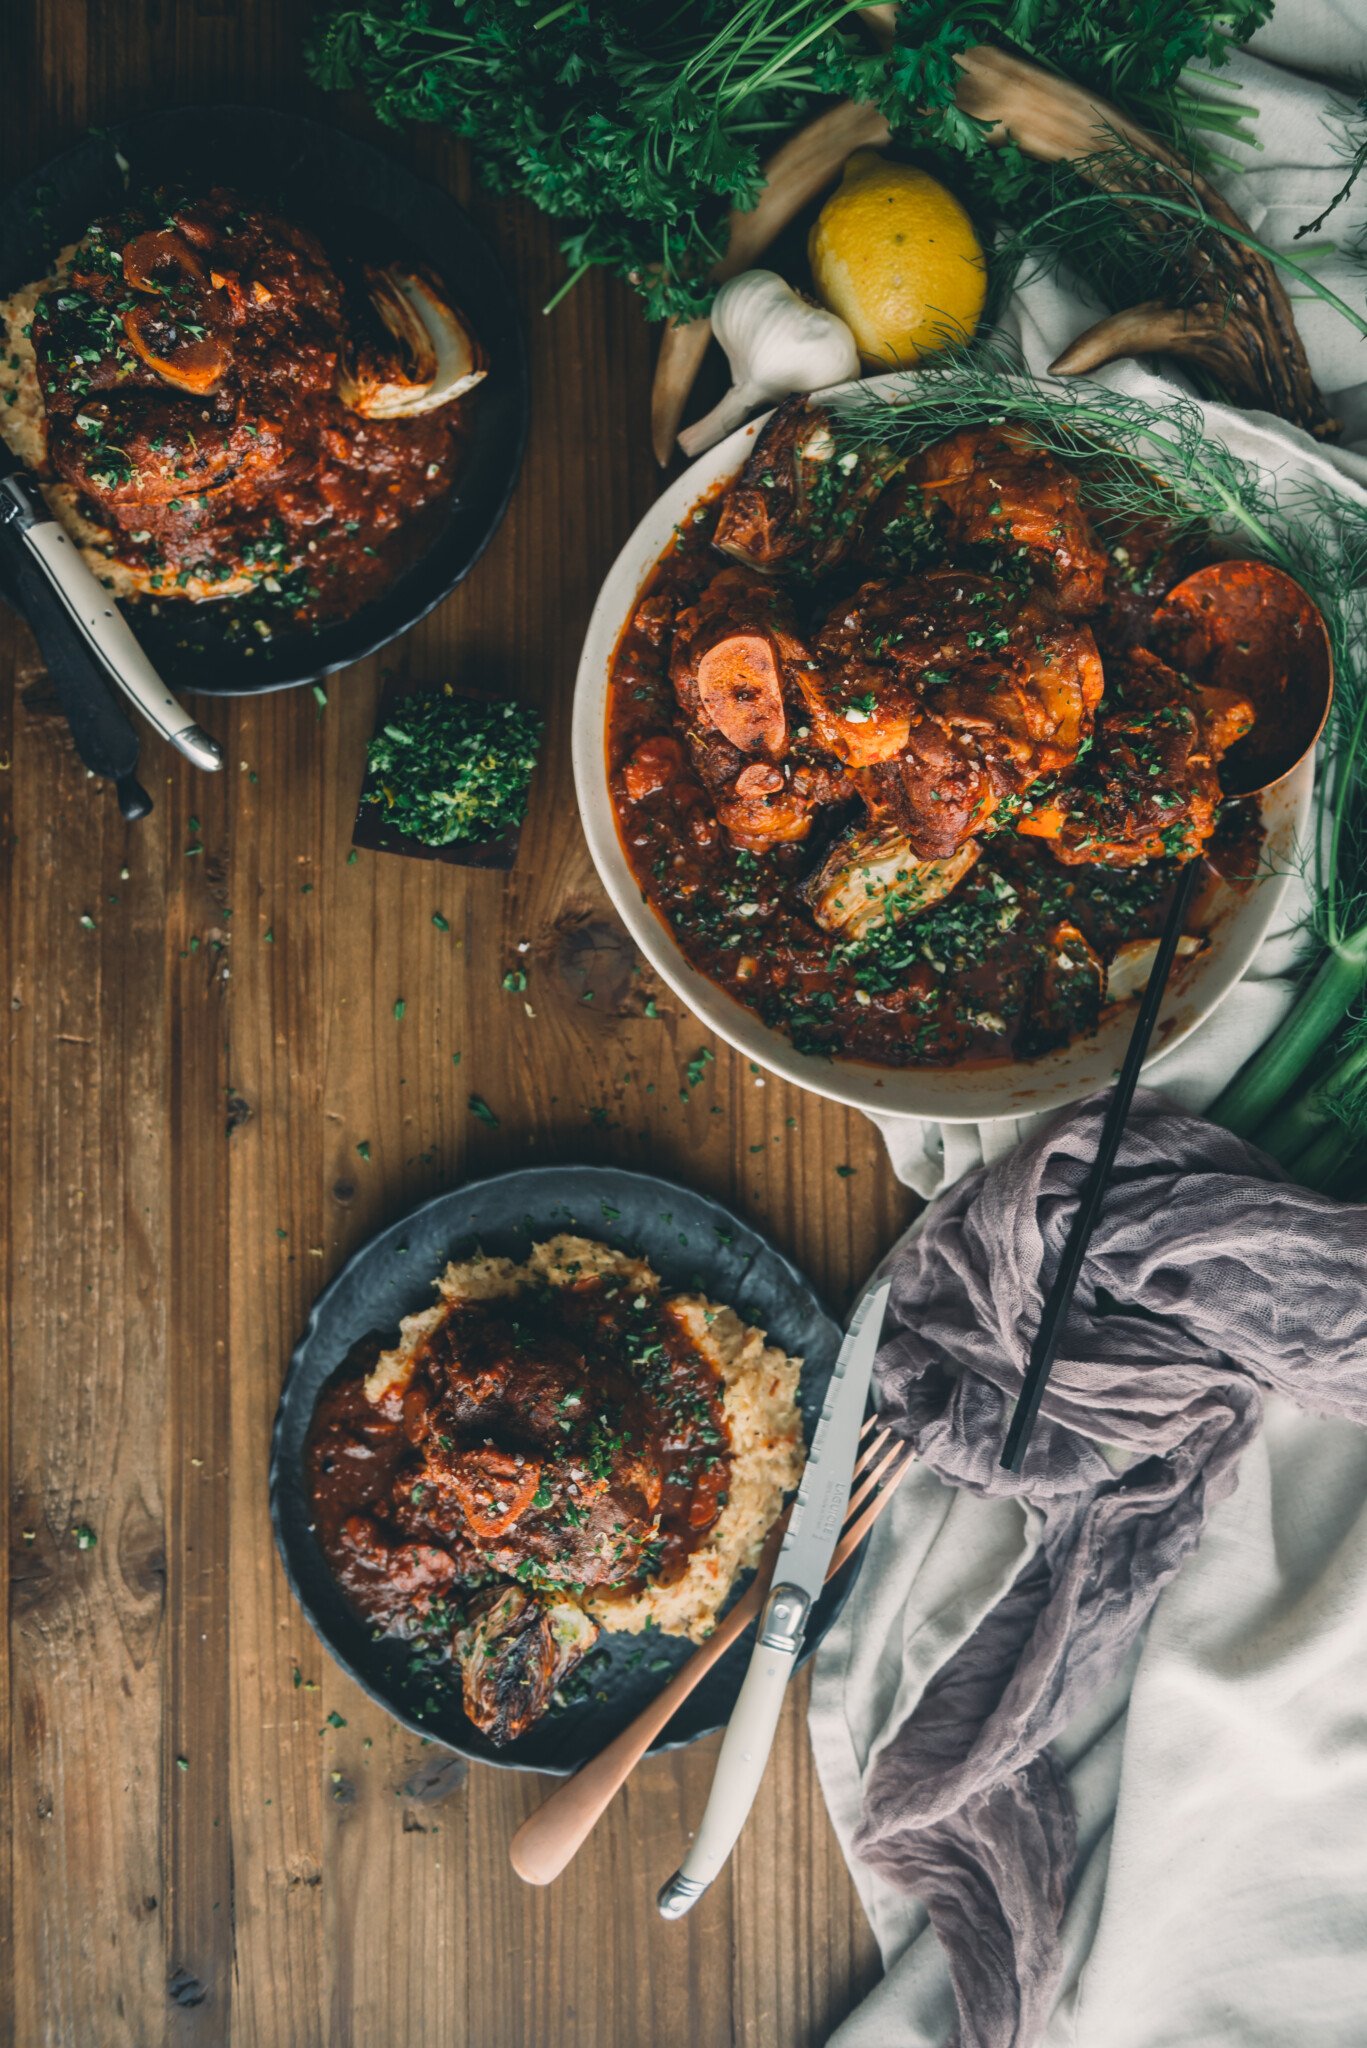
pixel 1128 241
pixel 1353 149
pixel 1138 461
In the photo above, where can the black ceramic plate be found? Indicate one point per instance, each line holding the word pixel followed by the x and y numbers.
pixel 692 1242
pixel 353 198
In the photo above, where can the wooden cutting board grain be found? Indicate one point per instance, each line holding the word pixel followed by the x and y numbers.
pixel 211 1837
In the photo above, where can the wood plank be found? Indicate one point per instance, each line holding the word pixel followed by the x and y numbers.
pixel 88 1285
pixel 183 1092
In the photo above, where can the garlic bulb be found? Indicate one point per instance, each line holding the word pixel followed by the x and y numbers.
pixel 776 344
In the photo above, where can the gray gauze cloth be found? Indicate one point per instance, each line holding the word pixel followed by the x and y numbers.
pixel 1209 1278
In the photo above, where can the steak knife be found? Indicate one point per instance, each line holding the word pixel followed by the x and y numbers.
pixel 799 1575
pixel 79 626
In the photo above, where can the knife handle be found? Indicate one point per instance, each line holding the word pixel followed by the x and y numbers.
pixel 85 614
pixel 103 736
pixel 745 1750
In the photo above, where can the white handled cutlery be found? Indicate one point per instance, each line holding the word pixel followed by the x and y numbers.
pixel 799 1575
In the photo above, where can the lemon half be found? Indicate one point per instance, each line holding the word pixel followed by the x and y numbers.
pixel 894 254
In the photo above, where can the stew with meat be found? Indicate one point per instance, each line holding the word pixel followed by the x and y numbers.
pixel 225 408
pixel 892 756
pixel 547 1452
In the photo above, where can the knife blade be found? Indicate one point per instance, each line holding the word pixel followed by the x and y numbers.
pixel 799 1575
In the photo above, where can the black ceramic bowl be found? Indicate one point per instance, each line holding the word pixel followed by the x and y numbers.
pixel 353 197
pixel 692 1242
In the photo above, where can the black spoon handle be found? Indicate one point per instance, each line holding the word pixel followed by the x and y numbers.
pixel 1059 1298
pixel 104 737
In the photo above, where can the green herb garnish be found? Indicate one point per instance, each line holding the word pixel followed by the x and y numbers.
pixel 446 770
pixel 638 127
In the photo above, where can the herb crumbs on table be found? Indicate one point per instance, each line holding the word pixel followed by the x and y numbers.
pixel 698 1065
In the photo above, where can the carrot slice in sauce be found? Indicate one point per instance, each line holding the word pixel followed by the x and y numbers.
pixel 761 778
pixel 494 1490
pixel 1046 821
pixel 740 691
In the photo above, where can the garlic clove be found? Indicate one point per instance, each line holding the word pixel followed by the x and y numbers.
pixel 1129 970
pixel 417 353
pixel 777 343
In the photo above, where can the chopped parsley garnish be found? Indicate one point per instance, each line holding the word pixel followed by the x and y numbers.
pixel 447 770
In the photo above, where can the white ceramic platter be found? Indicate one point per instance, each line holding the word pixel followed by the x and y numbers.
pixel 1235 921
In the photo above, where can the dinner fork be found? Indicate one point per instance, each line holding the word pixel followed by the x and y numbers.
pixel 552 1836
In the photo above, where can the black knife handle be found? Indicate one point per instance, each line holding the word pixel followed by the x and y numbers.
pixel 133 801
pixel 104 737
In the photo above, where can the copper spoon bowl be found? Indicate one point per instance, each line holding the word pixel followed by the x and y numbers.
pixel 1250 628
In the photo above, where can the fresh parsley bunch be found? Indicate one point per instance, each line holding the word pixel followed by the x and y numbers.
pixel 639 126
pixel 446 768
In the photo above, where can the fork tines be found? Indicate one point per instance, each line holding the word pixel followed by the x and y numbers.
pixel 877 1473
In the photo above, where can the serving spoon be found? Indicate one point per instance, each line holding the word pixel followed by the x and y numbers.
pixel 1238 625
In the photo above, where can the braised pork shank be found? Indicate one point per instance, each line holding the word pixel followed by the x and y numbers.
pixel 946 696
pixel 537 1456
pixel 739 672
pixel 538 1446
pixel 800 503
pixel 993 487
pixel 907 776
pixel 1150 788
pixel 227 409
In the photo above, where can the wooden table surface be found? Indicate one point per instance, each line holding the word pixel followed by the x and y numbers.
pixel 191 1853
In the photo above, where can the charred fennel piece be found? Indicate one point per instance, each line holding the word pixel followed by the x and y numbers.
pixel 516 1647
pixel 415 354
pixel 1137 462
pixel 873 875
